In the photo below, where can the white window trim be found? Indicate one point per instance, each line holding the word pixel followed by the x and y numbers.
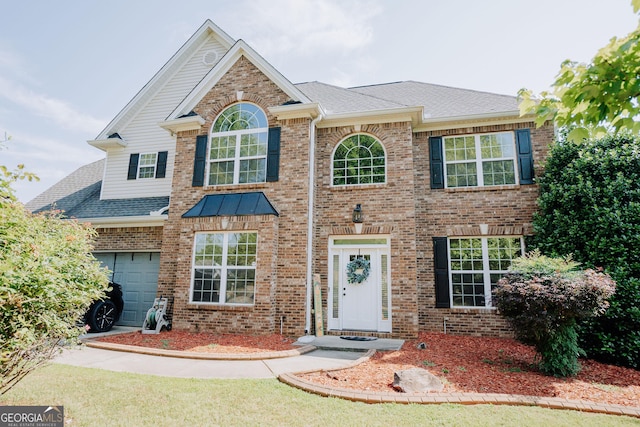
pixel 478 161
pixel 486 272
pixel 140 165
pixel 386 157
pixel 224 267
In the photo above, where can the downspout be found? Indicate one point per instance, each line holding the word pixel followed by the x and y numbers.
pixel 310 222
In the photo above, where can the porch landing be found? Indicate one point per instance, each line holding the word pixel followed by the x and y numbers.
pixel 330 342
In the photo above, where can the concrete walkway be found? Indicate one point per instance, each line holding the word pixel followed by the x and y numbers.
pixel 332 353
pixel 180 367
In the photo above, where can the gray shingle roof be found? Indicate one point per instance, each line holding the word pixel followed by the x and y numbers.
pixel 338 100
pixel 438 101
pixel 82 177
pixel 78 195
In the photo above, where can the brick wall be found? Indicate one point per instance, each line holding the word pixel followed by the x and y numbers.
pixel 388 209
pixel 507 210
pixel 129 239
pixel 281 270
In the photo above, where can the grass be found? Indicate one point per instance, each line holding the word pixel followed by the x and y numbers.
pixel 98 397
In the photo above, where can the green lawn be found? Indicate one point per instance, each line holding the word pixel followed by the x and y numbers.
pixel 94 397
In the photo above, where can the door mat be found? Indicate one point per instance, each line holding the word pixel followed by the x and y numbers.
pixel 354 338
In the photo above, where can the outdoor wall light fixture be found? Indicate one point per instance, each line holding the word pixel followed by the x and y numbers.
pixel 357 218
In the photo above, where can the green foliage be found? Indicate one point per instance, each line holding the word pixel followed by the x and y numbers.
pixel 48 278
pixel 590 209
pixel 595 97
pixel 544 300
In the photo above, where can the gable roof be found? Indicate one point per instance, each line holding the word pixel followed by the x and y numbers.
pixel 240 49
pixel 156 83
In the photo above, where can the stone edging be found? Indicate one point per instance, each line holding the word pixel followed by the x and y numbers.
pixel 199 356
pixel 456 398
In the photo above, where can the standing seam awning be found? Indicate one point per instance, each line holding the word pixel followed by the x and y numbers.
pixel 255 203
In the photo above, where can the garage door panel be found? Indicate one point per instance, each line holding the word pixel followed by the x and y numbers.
pixel 137 273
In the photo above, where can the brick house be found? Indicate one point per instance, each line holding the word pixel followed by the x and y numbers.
pixel 227 188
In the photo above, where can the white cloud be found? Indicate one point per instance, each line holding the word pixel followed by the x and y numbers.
pixel 53 109
pixel 308 27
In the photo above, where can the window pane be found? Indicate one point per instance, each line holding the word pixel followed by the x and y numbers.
pixel 462 175
pixel 239 117
pixel 499 172
pixel 495 146
pixel 222 148
pixel 221 173
pixel 206 285
pixel 254 170
pixel 240 286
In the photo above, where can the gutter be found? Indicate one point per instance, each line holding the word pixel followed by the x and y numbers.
pixel 310 222
pixel 126 221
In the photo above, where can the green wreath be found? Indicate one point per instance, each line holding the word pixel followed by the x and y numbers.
pixel 358 270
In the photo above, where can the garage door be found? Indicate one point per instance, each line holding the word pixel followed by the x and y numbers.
pixel 137 273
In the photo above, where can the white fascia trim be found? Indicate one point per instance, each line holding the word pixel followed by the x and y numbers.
pixel 182 124
pixel 504 117
pixel 404 114
pixel 126 221
pixel 223 66
pixel 107 143
pixel 182 55
pixel 296 111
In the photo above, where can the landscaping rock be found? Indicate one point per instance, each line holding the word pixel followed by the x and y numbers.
pixel 416 381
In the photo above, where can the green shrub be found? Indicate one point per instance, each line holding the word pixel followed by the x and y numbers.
pixel 590 209
pixel 48 278
pixel 543 298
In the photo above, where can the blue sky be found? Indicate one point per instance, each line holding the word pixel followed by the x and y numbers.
pixel 68 67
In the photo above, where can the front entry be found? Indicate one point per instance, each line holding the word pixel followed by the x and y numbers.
pixel 362 304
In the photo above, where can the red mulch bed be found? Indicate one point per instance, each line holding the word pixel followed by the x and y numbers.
pixel 463 363
pixel 204 342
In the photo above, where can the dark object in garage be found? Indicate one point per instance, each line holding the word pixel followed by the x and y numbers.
pixel 104 313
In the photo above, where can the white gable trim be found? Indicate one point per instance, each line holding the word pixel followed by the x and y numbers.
pixel 161 77
pixel 240 49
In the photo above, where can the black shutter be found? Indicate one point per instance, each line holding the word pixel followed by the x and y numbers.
pixel 441 269
pixel 273 155
pixel 133 166
pixel 199 161
pixel 437 162
pixel 525 156
pixel 161 167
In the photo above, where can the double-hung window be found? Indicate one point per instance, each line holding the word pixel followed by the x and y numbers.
pixel 224 268
pixel 238 146
pixel 475 266
pixel 480 160
pixel 147 165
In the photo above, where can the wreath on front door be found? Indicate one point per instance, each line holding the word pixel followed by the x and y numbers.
pixel 358 270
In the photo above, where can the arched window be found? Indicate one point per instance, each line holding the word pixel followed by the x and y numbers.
pixel 238 146
pixel 359 159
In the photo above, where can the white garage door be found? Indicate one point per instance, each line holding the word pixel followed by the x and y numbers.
pixel 137 273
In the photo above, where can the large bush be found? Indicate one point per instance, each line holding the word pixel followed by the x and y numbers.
pixel 48 278
pixel 543 298
pixel 590 208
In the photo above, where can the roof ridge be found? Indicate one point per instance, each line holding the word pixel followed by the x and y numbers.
pixel 435 85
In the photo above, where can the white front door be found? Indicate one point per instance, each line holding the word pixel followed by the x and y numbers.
pixel 359 300
pixel 364 306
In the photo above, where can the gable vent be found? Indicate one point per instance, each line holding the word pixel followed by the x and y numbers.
pixel 210 57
